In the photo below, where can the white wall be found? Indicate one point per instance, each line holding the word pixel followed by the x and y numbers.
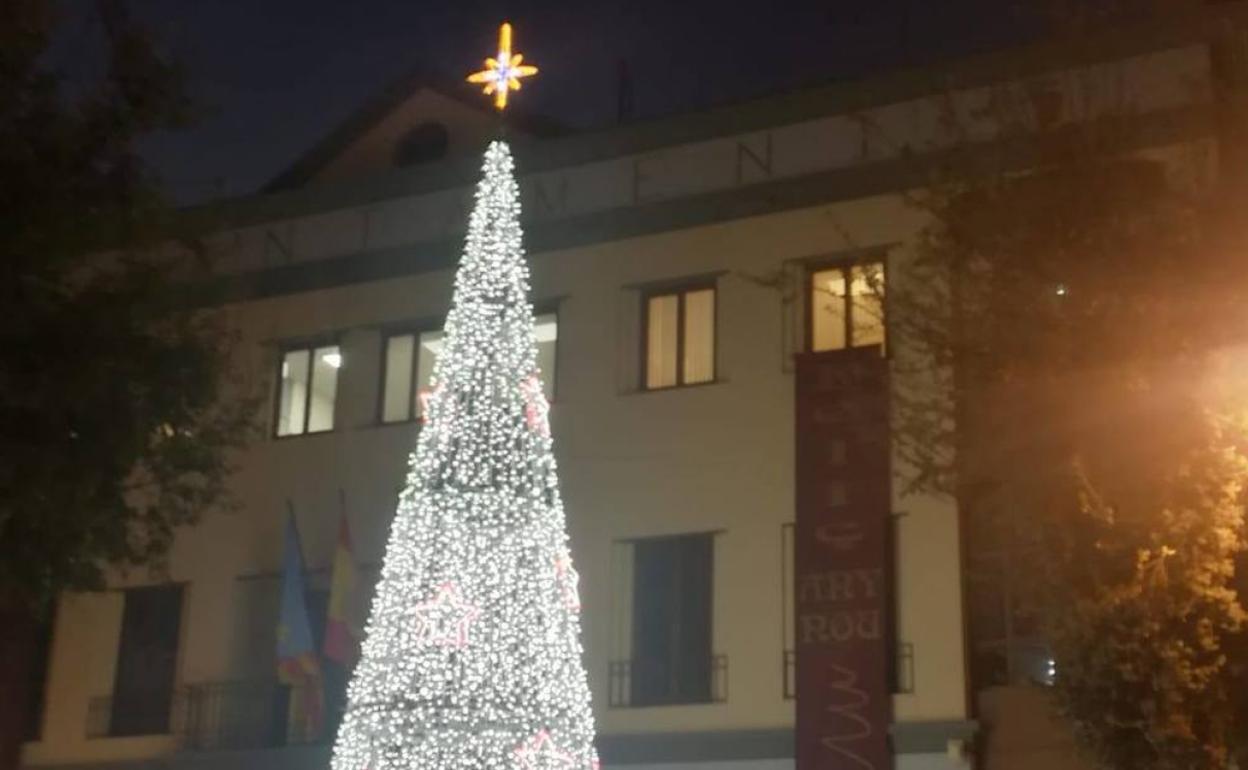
pixel 713 457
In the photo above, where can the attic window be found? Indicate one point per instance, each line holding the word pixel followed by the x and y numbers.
pixel 422 144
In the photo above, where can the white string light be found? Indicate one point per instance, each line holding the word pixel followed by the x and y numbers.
pixel 472 652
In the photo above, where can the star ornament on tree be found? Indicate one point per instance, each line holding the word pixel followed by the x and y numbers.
pixel 536 407
pixel 425 396
pixel 502 74
pixel 569 582
pixel 446 618
pixel 541 753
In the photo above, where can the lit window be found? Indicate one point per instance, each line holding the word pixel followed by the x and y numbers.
pixel 409 360
pixel 679 338
pixel 309 385
pixel 841 319
pixel 396 398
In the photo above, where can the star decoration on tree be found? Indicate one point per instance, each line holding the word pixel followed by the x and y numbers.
pixel 425 395
pixel 536 407
pixel 445 619
pixel 502 74
pixel 569 582
pixel 541 753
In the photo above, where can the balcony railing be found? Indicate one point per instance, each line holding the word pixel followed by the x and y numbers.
pixel 902 676
pixel 659 682
pixel 135 714
pixel 790 674
pixel 248 714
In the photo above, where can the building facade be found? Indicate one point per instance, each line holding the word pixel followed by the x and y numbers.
pixel 686 272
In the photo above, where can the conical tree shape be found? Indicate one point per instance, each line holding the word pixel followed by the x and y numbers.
pixel 472 654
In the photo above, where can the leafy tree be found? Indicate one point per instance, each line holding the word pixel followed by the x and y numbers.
pixel 1077 334
pixel 116 422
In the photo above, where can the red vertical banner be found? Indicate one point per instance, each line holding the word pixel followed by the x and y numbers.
pixel 841 581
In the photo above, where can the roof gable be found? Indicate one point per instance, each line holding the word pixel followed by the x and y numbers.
pixel 417 119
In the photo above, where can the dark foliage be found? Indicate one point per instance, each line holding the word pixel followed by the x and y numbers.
pixel 119 405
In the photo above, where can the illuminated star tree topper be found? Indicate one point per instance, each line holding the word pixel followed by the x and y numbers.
pixel 502 74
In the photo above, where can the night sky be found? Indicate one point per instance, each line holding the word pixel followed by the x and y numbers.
pixel 271 77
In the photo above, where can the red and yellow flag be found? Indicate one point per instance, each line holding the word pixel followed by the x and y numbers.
pixel 342 626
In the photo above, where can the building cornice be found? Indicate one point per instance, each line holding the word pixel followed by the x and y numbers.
pixel 838 98
pixel 837 185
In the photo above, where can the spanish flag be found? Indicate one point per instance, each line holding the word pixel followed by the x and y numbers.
pixel 297 662
pixel 342 622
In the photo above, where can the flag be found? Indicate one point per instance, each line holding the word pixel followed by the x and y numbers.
pixel 342 626
pixel 297 662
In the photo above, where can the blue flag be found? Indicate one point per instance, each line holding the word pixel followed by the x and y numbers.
pixel 297 661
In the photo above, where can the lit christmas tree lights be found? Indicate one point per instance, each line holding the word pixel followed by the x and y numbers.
pixel 472 653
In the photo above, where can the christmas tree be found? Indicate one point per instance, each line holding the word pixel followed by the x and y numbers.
pixel 472 654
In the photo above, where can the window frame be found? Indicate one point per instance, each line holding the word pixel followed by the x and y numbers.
pixel 551 308
pixel 679 290
pixel 436 131
pixel 39 676
pixel 414 331
pixel 417 328
pixel 179 638
pixel 311 345
pixel 845 265
pixel 622 665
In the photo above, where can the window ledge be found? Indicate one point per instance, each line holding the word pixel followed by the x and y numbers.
pixel 675 388
pixel 417 421
pixel 409 422
pixel 305 434
pixel 672 704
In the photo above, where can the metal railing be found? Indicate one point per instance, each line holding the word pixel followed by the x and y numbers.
pixel 134 714
pixel 658 682
pixel 245 714
pixel 789 666
pixel 902 676
pixel 253 714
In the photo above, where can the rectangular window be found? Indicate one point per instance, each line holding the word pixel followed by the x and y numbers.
pixel 428 350
pixel 41 638
pixel 846 307
pixel 788 610
pixel 672 660
pixel 308 388
pixel 409 358
pixel 147 657
pixel 679 338
pixel 398 402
